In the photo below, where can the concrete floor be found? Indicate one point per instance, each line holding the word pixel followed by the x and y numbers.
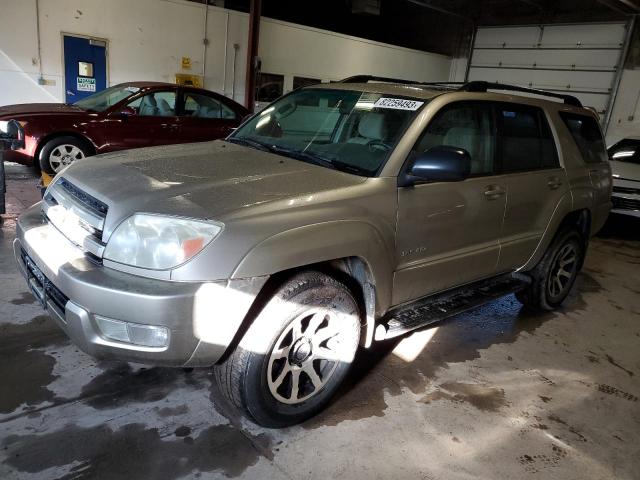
pixel 494 394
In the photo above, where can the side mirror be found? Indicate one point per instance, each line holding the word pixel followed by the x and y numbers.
pixel 127 112
pixel 439 164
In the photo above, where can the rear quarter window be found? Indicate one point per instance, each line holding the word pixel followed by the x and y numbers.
pixel 586 133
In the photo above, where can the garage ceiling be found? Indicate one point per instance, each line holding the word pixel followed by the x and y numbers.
pixel 441 26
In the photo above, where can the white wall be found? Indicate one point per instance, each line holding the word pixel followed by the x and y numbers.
pixel 148 38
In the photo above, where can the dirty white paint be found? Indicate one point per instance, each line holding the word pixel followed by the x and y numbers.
pixel 148 38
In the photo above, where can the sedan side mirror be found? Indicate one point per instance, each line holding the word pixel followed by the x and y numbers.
pixel 128 112
pixel 443 163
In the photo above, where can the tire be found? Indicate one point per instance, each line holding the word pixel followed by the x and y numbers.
pixel 59 152
pixel 565 254
pixel 312 322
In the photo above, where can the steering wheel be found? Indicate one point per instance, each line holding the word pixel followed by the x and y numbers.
pixel 378 145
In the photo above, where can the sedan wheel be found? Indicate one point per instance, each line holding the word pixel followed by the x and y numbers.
pixel 64 155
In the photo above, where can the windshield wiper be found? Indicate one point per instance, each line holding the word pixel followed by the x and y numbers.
pixel 249 143
pixel 314 158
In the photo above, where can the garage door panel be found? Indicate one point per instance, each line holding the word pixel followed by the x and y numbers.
pixel 558 59
pixel 578 59
pixel 569 80
pixel 507 37
pixel 585 35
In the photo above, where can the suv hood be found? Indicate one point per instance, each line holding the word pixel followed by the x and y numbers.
pixel 37 109
pixel 201 180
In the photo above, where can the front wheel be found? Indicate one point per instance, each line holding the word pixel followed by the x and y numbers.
pixel 60 152
pixel 556 273
pixel 295 354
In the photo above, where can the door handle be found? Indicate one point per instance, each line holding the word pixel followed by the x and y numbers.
pixel 554 182
pixel 494 191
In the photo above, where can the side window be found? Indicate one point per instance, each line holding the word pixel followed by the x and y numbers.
pixel 526 142
pixel 203 106
pixel 464 125
pixel 586 133
pixel 156 104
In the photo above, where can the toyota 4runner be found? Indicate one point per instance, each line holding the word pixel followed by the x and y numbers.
pixel 339 216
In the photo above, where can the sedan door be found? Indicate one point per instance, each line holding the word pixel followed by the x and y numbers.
pixel 448 232
pixel 205 117
pixel 145 121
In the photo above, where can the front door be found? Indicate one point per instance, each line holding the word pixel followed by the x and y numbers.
pixel 85 67
pixel 448 233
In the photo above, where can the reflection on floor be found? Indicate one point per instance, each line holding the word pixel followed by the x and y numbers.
pixel 497 393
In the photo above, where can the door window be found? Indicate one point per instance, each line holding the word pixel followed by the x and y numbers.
pixel 156 104
pixel 463 125
pixel 525 139
pixel 204 106
pixel 586 133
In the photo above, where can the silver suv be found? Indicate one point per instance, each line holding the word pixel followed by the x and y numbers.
pixel 339 216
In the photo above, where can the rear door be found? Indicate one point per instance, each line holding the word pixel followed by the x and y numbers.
pixel 85 67
pixel 205 117
pixel 535 182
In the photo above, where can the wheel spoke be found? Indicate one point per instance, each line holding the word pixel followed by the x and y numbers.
pixel 315 322
pixel 281 353
pixel 563 273
pixel 324 353
pixel 312 374
pixel 280 378
pixel 295 384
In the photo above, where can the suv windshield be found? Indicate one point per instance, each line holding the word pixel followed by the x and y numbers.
pixel 100 101
pixel 341 129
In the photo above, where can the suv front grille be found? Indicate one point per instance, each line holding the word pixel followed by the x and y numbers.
pixel 620 203
pixel 78 216
pixel 633 191
pixel 41 286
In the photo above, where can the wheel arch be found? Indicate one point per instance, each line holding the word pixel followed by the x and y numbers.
pixel 47 138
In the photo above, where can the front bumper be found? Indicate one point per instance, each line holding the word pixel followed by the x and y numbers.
pixel 626 197
pixel 202 318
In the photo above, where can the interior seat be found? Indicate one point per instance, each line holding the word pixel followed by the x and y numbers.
pixel 165 109
pixel 148 106
pixel 372 127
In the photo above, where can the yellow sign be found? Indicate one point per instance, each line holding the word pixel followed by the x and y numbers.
pixel 189 80
pixel 186 63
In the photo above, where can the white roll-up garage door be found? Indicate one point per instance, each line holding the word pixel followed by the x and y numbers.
pixel 578 59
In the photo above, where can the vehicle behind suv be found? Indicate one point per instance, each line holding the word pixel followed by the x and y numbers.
pixel 339 216
pixel 625 163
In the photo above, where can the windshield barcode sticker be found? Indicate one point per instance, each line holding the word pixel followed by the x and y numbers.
pixel 398 104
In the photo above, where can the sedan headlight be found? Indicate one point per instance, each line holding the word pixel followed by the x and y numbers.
pixel 157 242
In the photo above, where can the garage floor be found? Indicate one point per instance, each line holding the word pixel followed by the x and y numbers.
pixel 494 394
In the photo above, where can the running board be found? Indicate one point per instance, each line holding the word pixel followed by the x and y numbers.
pixel 432 309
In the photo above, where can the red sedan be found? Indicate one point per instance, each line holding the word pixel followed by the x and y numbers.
pixel 129 115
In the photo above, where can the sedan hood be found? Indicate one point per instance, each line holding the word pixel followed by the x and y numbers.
pixel 625 170
pixel 202 180
pixel 11 111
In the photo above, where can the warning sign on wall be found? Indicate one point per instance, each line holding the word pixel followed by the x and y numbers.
pixel 86 84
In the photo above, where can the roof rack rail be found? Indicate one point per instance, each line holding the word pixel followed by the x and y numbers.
pixel 473 86
pixel 482 86
pixel 373 78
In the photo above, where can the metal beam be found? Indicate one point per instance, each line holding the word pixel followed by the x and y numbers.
pixel 631 4
pixel 614 5
pixel 533 3
pixel 252 53
pixel 426 4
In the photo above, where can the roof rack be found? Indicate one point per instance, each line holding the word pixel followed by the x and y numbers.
pixel 482 86
pixel 474 86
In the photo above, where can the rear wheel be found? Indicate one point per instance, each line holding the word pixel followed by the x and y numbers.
pixel 556 273
pixel 60 152
pixel 295 354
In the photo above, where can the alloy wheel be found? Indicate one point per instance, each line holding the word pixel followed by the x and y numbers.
pixel 64 155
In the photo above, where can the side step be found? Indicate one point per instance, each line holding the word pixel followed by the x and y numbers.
pixel 432 309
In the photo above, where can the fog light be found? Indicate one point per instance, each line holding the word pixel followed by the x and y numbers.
pixel 144 335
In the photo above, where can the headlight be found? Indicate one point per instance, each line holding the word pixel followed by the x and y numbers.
pixel 157 242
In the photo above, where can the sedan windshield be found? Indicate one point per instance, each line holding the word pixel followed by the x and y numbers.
pixel 100 101
pixel 340 129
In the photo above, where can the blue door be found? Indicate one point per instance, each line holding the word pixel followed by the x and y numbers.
pixel 85 67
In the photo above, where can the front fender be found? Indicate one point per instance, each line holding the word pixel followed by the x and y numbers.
pixel 324 242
